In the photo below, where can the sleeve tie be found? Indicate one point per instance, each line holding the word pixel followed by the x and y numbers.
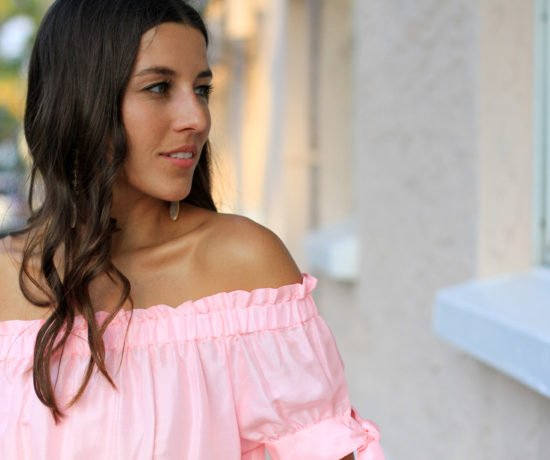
pixel 371 449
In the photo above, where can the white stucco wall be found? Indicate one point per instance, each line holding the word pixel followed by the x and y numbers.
pixel 336 192
pixel 506 136
pixel 442 146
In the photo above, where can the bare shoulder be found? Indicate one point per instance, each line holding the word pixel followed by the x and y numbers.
pixel 246 255
pixel 13 304
pixel 11 250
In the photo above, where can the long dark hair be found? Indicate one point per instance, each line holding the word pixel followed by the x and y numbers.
pixel 79 68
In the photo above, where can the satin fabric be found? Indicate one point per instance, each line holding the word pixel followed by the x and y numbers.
pixel 226 377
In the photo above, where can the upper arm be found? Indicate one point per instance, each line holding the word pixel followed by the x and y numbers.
pixel 248 256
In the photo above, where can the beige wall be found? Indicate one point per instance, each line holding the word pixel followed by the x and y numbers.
pixel 505 136
pixel 336 189
pixel 443 141
pixel 424 134
pixel 290 199
pixel 267 89
pixel 249 78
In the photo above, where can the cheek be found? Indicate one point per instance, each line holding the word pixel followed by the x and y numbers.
pixel 137 125
pixel 142 121
pixel 139 142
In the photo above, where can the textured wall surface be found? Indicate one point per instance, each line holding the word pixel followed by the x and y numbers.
pixel 430 126
pixel 335 195
pixel 506 135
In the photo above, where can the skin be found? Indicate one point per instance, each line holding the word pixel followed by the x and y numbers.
pixel 166 106
pixel 167 262
pixel 162 111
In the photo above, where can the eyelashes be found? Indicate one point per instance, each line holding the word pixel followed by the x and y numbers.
pixel 162 88
pixel 204 91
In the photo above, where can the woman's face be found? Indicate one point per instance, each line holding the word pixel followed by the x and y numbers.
pixel 165 112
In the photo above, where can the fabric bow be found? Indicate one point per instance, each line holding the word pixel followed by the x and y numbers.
pixel 371 449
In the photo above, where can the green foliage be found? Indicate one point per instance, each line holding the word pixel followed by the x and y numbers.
pixel 13 67
pixel 32 8
pixel 8 124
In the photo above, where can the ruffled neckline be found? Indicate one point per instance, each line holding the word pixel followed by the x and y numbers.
pixel 230 300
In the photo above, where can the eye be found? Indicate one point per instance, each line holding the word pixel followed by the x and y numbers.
pixel 204 91
pixel 161 87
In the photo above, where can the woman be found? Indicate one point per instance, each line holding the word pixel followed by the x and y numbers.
pixel 99 355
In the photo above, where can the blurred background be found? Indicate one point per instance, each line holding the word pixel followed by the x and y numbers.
pixel 18 24
pixel 400 149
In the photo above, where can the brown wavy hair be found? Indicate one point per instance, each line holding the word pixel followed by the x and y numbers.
pixel 79 69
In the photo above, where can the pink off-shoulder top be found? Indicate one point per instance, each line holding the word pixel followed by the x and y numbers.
pixel 225 377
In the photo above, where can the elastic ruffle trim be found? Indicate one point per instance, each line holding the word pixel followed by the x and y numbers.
pixel 219 315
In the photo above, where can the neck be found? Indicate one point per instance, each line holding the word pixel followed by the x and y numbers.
pixel 142 221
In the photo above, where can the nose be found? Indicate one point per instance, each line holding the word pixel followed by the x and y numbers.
pixel 190 112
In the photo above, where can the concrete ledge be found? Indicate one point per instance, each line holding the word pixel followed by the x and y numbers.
pixel 334 251
pixel 503 322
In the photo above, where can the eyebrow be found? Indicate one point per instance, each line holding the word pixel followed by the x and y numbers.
pixel 157 70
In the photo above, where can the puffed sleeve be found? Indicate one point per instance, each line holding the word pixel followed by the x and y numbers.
pixel 289 386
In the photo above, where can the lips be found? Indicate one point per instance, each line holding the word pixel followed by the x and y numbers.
pixel 183 151
pixel 182 156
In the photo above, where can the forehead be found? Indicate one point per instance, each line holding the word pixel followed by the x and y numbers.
pixel 171 42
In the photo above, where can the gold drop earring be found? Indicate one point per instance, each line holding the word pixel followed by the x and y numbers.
pixel 174 210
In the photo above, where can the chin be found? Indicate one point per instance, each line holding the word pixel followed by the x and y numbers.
pixel 177 196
